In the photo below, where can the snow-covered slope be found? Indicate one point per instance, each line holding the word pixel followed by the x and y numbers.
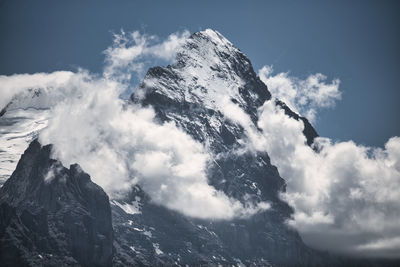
pixel 25 116
pixel 208 70
pixel 18 127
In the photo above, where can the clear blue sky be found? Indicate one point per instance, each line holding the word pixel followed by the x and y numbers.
pixel 355 41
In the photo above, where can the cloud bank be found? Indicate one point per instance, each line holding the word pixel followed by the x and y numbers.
pixel 121 145
pixel 345 196
pixel 305 97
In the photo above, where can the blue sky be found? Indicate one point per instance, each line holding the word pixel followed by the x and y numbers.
pixel 357 42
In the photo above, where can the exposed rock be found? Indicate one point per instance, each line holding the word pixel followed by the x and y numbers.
pixel 53 216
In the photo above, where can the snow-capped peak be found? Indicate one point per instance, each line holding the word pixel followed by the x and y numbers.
pixel 210 45
pixel 209 70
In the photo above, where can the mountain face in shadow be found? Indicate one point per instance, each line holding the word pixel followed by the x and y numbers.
pixel 51 215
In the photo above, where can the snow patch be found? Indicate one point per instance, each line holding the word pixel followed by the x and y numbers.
pixel 130 208
pixel 157 249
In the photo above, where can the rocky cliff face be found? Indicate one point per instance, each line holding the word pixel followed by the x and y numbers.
pixel 51 215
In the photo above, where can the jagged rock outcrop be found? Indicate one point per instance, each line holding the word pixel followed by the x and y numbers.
pixel 53 216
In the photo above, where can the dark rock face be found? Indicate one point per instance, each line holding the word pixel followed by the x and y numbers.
pixel 51 215
pixel 160 237
pixel 309 131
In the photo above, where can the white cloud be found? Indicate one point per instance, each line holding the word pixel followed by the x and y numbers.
pixel 131 51
pixel 52 172
pixel 302 96
pixel 389 246
pixel 13 85
pixel 122 145
pixel 345 196
pixel 129 54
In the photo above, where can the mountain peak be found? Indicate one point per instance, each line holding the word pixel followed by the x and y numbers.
pixel 209 71
pixel 209 48
pixel 212 36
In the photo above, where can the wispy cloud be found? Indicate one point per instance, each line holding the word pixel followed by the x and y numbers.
pixel 17 84
pixel 306 96
pixel 131 52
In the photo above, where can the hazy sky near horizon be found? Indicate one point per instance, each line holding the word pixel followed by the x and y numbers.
pixel 356 42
